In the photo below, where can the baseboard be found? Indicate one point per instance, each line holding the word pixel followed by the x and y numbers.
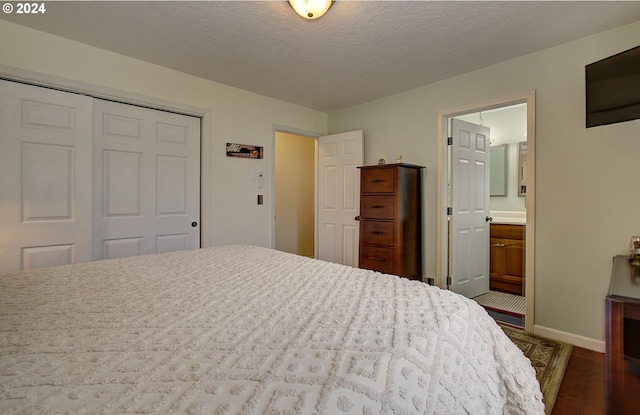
pixel 574 339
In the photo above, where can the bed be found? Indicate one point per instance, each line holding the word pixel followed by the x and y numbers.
pixel 249 330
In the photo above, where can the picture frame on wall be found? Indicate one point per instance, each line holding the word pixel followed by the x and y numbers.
pixel 244 151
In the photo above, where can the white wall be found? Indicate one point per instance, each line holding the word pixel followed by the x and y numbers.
pixel 587 194
pixel 236 116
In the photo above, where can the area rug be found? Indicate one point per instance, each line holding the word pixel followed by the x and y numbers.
pixel 549 359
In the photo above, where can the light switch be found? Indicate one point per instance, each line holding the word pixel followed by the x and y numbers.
pixel 260 199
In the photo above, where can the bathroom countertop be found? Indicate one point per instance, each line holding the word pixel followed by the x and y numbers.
pixel 509 218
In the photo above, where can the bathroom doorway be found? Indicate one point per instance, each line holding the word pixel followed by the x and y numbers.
pixel 512 124
pixel 506 299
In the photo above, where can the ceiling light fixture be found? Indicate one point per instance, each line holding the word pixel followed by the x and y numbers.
pixel 311 9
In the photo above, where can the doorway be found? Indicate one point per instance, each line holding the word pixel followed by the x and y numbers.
pixel 505 296
pixel 336 193
pixel 294 175
pixel 526 101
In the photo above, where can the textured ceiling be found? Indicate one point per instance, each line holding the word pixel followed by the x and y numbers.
pixel 359 51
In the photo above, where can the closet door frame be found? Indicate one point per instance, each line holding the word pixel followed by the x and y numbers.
pixel 10 73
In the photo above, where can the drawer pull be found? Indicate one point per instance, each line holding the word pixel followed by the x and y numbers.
pixel 378 233
pixel 498 245
pixel 378 180
pixel 376 258
pixel 378 207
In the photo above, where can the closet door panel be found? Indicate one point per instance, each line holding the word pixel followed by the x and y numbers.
pixel 146 181
pixel 47 185
pixel 172 174
pixel 122 184
pixel 45 177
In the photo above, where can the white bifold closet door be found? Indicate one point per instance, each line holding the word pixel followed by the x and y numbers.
pixel 146 181
pixel 45 177
pixel 83 179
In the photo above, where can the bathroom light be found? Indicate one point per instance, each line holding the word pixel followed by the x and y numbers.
pixel 311 9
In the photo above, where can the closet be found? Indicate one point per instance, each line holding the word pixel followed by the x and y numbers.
pixel 83 179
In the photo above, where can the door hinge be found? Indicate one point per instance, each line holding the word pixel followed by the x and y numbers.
pixel 449 141
pixel 448 281
pixel 449 211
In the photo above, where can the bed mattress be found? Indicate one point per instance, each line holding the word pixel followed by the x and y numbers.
pixel 249 330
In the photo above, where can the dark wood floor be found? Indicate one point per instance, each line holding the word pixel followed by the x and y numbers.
pixel 582 391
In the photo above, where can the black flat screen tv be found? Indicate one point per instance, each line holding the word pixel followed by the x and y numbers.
pixel 613 89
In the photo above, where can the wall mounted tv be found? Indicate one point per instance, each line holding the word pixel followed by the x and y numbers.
pixel 613 89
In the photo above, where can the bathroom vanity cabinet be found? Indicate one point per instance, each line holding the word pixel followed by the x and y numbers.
pixel 507 258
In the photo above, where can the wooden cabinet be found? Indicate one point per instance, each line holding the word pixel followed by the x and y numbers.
pixel 622 333
pixel 391 219
pixel 507 258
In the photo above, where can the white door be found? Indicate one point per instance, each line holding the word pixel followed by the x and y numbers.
pixel 339 156
pixel 470 228
pixel 45 177
pixel 146 181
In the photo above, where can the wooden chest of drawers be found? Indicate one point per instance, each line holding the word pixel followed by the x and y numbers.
pixel 391 219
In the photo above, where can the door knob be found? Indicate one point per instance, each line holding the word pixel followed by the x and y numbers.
pixel 194 224
pixel 488 219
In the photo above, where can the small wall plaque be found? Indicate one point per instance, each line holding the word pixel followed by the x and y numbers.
pixel 245 151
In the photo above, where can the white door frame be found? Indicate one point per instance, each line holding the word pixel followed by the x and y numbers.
pixel 97 91
pixel 442 245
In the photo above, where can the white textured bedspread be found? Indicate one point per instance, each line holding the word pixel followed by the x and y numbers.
pixel 248 330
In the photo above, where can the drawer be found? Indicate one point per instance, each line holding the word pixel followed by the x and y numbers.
pixel 378 181
pixel 378 233
pixel 377 258
pixel 506 286
pixel 501 230
pixel 378 207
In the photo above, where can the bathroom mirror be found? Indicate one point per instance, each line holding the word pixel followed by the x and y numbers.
pixel 522 168
pixel 499 160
